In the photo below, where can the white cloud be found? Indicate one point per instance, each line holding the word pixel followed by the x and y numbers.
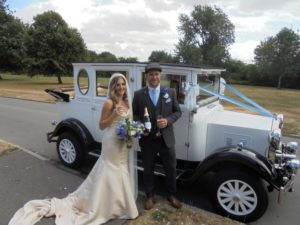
pixel 30 11
pixel 137 27
pixel 244 51
pixel 250 24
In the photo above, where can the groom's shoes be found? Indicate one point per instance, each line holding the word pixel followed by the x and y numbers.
pixel 174 202
pixel 149 203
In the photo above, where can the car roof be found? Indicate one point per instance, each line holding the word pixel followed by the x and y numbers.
pixel 143 64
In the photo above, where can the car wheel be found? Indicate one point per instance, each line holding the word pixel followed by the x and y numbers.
pixel 69 150
pixel 239 195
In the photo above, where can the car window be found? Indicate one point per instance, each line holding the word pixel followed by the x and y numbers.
pixel 102 78
pixel 83 81
pixel 210 82
pixel 172 81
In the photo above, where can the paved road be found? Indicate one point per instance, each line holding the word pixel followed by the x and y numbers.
pixel 25 123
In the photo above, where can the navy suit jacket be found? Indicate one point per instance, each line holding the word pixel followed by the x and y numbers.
pixel 169 109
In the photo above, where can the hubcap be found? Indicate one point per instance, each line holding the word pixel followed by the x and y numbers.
pixel 237 197
pixel 67 151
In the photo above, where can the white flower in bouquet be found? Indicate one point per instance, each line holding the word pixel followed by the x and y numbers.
pixel 130 130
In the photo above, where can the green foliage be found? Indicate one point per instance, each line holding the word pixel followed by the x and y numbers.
pixel 12 33
pixel 189 53
pixel 90 56
pixel 128 59
pixel 161 56
pixel 277 58
pixel 206 35
pixel 236 70
pixel 107 57
pixel 160 215
pixel 52 46
pixel 4 6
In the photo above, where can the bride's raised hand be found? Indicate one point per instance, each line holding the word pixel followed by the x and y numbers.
pixel 120 110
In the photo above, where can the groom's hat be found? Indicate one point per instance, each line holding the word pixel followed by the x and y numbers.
pixel 152 66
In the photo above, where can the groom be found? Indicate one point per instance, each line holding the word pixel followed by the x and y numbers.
pixel 160 101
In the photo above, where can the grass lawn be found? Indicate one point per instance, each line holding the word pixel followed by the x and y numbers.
pixel 22 86
pixel 285 101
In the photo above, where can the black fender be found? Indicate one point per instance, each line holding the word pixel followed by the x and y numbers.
pixel 75 126
pixel 232 157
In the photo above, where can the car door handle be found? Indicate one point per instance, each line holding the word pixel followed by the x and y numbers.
pixel 93 108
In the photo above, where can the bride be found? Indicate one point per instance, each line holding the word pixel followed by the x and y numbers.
pixel 110 189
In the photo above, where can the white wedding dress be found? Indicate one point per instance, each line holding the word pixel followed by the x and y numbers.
pixel 107 192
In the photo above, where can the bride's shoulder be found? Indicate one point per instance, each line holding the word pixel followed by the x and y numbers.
pixel 108 104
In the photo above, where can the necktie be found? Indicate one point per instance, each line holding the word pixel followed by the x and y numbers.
pixel 153 96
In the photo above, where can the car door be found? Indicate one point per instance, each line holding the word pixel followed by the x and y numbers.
pixel 173 78
pixel 80 106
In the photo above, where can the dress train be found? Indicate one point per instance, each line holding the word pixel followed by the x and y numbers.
pixel 107 192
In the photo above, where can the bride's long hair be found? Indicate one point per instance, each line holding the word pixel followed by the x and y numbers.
pixel 112 86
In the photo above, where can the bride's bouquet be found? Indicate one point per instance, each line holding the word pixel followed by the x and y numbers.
pixel 129 130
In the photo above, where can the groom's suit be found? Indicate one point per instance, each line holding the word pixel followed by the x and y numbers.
pixel 167 106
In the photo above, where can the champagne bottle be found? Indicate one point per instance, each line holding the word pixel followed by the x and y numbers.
pixel 147 122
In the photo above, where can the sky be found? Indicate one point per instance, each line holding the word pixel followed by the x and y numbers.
pixel 134 28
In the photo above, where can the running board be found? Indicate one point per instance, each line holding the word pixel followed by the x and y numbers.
pixel 95 152
pixel 158 169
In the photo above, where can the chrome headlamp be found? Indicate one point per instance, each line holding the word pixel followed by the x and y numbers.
pixel 291 147
pixel 276 135
pixel 275 138
pixel 279 117
pixel 293 164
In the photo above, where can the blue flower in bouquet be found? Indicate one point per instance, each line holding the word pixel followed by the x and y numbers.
pixel 121 130
pixel 129 130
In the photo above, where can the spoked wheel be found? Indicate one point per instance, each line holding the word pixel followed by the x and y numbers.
pixel 69 150
pixel 239 195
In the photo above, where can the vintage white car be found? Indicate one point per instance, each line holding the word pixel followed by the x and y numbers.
pixel 242 150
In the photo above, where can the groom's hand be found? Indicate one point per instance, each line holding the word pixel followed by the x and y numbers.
pixel 162 123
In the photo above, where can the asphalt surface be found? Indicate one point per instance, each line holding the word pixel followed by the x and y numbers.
pixel 25 123
pixel 25 176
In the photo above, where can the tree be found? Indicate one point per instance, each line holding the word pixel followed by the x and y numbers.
pixel 276 57
pixel 52 46
pixel 161 56
pixel 12 33
pixel 296 82
pixel 236 71
pixel 4 6
pixel 90 56
pixel 107 57
pixel 128 59
pixel 206 36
